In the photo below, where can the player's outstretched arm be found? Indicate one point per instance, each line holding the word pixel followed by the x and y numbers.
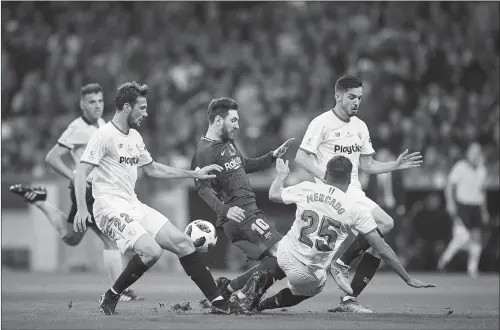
pixel 264 162
pixel 54 159
pixel 391 259
pixel 80 181
pixel 306 160
pixel 160 171
pixel 279 183
pixel 369 165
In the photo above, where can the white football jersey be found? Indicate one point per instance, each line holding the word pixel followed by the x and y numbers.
pixel 328 136
pixel 470 182
pixel 117 156
pixel 77 135
pixel 325 215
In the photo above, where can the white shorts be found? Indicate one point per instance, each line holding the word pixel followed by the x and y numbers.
pixel 360 197
pixel 302 280
pixel 126 221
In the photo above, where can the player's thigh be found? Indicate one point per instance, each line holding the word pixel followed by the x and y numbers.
pixel 109 244
pixel 302 280
pixel 255 236
pixel 119 222
pixel 168 236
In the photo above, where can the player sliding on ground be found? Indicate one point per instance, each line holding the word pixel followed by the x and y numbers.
pixel 231 196
pixel 73 142
pixel 325 215
pixel 115 152
pixel 340 132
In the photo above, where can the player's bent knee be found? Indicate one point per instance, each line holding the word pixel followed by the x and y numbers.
pixel 148 249
pixel 185 246
pixel 73 238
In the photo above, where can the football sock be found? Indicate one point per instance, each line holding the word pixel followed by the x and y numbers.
pixel 358 246
pixel 269 264
pixel 284 298
pixel 365 271
pixel 113 263
pixel 239 282
pixel 453 247
pixel 134 270
pixel 474 256
pixel 199 274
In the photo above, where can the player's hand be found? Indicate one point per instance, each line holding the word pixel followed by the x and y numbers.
pixel 282 167
pixel 419 284
pixel 204 173
pixel 80 222
pixel 406 160
pixel 283 148
pixel 236 214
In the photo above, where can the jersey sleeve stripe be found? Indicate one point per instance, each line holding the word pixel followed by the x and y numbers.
pixel 151 162
pixel 307 151
pixel 85 162
pixel 63 145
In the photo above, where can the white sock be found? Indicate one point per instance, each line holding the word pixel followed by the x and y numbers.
pixel 453 247
pixel 340 262
pixel 474 256
pixel 241 295
pixel 113 264
pixel 230 288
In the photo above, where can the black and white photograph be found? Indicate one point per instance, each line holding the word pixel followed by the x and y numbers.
pixel 250 165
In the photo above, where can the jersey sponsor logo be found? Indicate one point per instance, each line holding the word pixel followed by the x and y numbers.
pixel 234 164
pixel 129 160
pixel 346 149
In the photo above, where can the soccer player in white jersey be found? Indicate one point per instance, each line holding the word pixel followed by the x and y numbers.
pixel 72 142
pixel 114 153
pixel 340 132
pixel 325 215
pixel 465 195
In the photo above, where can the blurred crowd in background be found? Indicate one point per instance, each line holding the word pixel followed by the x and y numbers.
pixel 429 69
pixel 430 74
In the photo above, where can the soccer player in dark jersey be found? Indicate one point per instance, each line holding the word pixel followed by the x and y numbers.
pixel 230 194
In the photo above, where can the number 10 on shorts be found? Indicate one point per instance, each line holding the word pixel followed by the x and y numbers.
pixel 260 226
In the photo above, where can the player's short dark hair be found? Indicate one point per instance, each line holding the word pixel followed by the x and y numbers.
pixel 339 169
pixel 129 92
pixel 92 88
pixel 347 82
pixel 220 107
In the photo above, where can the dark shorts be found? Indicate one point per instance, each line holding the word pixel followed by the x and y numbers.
pixel 90 206
pixel 253 236
pixel 470 215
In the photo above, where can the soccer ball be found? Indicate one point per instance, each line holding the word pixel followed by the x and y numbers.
pixel 203 235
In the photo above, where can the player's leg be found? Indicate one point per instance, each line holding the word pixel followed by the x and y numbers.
pixel 302 283
pixel 460 238
pixel 129 236
pixel 37 196
pixel 475 248
pixel 259 241
pixel 170 238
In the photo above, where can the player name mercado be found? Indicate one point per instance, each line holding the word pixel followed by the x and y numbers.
pixel 327 200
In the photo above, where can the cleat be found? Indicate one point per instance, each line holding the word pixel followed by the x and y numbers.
pixel 129 295
pixel 222 284
pixel 340 275
pixel 255 291
pixel 108 302
pixel 350 305
pixel 224 306
pixel 29 193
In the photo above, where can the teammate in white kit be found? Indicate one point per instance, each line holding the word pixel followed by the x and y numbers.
pixel 325 215
pixel 114 153
pixel 340 132
pixel 72 142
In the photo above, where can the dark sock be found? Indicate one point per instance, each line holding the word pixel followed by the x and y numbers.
pixel 130 274
pixel 269 264
pixel 199 273
pixel 284 298
pixel 239 282
pixel 357 247
pixel 365 271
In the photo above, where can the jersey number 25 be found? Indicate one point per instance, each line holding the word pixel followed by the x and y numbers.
pixel 325 231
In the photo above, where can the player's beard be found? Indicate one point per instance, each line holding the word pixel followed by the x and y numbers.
pixel 348 110
pixel 225 135
pixel 133 124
